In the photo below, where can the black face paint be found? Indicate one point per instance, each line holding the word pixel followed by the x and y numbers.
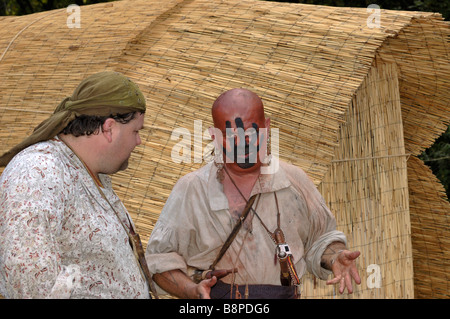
pixel 245 154
pixel 239 123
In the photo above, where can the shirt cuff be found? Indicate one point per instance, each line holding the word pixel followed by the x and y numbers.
pixel 159 263
pixel 314 254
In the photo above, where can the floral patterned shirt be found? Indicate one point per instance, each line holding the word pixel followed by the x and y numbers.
pixel 59 238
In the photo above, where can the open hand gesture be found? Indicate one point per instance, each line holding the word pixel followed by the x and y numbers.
pixel 344 270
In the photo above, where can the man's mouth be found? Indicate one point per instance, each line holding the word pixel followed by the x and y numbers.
pixel 247 157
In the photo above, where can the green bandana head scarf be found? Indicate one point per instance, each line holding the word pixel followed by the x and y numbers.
pixel 101 94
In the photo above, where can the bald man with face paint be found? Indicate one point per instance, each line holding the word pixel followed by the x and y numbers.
pixel 190 250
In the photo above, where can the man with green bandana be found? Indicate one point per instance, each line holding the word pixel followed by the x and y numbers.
pixel 64 233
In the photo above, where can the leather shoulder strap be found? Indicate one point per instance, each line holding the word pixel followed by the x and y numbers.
pixel 234 232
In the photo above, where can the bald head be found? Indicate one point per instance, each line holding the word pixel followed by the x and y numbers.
pixel 237 103
pixel 239 115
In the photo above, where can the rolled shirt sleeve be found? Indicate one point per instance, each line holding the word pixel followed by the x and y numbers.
pixel 168 247
pixel 161 255
pixel 186 234
pixel 315 252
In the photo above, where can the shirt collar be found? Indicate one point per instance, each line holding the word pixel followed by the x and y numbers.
pixel 266 183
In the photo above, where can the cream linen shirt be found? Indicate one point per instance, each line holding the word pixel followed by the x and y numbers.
pixel 59 238
pixel 195 222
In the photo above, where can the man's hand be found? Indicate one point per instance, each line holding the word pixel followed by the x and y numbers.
pixel 204 288
pixel 180 285
pixel 344 270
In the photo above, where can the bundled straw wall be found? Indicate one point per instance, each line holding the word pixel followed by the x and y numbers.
pixel 353 105
pixel 367 187
pixel 429 210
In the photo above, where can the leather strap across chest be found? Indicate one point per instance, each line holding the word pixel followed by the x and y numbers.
pixel 288 275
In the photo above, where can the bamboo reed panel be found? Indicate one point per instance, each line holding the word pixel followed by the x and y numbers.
pixel 430 226
pixel 306 62
pixel 422 106
pixel 367 188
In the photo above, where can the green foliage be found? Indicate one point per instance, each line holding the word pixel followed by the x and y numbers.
pixel 442 7
pixel 21 7
pixel 437 157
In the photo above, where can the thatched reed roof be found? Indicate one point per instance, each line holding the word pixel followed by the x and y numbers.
pixel 307 62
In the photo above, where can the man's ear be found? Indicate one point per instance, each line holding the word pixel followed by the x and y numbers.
pixel 212 132
pixel 216 136
pixel 107 129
